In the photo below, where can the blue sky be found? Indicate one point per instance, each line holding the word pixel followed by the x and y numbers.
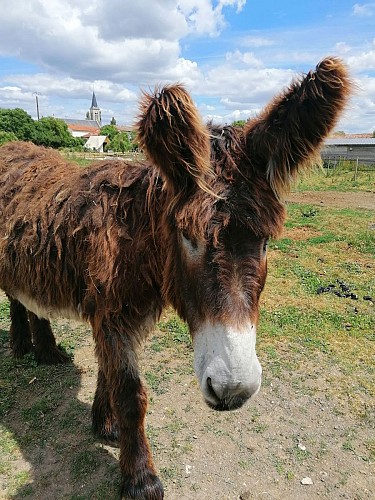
pixel 233 55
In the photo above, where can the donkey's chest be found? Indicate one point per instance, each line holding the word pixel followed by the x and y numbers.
pixel 45 311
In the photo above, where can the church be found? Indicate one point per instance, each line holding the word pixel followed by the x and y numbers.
pixel 94 113
pixel 90 126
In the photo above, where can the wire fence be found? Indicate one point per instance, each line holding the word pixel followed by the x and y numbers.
pixel 91 155
pixel 339 164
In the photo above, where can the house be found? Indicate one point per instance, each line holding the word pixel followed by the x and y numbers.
pixel 96 143
pixel 82 128
pixel 349 148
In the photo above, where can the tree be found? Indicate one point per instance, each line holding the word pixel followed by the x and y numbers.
pixel 113 121
pixel 17 121
pixel 121 142
pixel 7 136
pixel 54 133
pixel 239 123
pixel 133 141
pixel 110 131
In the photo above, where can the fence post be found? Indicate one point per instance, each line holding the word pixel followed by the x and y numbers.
pixel 356 170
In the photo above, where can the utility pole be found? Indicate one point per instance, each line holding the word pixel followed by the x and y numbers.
pixel 37 103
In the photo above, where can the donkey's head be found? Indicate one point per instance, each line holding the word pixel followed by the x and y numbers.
pixel 224 191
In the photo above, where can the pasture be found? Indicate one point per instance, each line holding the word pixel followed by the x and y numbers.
pixel 312 422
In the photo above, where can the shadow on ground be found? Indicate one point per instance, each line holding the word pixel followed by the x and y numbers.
pixel 47 449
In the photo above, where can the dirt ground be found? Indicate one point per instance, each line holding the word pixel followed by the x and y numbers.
pixel 294 442
pixel 335 199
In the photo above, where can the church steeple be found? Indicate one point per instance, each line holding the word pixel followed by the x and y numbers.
pixel 94 104
pixel 95 113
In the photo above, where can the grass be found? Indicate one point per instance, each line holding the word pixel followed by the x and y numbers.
pixel 339 329
pixel 340 178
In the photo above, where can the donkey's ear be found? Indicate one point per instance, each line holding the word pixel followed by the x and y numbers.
pixel 290 131
pixel 174 138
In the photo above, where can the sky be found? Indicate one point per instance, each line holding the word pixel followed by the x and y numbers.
pixel 232 55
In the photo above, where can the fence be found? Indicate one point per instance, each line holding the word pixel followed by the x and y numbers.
pixel 355 165
pixel 91 155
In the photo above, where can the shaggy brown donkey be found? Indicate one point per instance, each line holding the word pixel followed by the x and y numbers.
pixel 114 243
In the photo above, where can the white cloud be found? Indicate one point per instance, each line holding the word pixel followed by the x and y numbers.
pixel 246 58
pixel 257 41
pixel 77 89
pixel 244 85
pixel 342 48
pixel 364 10
pixel 73 46
pixel 132 41
pixel 364 61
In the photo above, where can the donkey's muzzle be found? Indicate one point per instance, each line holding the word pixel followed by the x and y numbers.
pixel 226 364
pixel 221 398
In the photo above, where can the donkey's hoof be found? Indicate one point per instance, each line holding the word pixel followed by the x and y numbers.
pixel 19 349
pixel 111 438
pixel 147 487
pixel 54 356
pixel 108 433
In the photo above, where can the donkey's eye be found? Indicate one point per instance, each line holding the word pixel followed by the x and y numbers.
pixel 185 235
pixel 188 239
pixel 265 246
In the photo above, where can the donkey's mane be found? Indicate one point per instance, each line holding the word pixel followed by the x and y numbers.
pixel 244 194
pixel 227 147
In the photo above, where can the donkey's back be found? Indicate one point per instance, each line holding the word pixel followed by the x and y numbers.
pixel 66 231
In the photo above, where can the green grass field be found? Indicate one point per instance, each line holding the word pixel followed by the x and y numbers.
pixel 343 177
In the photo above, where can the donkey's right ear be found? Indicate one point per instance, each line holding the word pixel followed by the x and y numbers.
pixel 171 133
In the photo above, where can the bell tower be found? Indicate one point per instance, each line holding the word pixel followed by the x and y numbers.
pixel 94 112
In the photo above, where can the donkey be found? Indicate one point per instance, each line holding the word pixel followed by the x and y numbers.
pixel 114 243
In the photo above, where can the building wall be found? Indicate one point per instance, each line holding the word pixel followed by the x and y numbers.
pixel 365 154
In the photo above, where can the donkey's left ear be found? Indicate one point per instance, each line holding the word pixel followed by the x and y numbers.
pixel 174 138
pixel 289 133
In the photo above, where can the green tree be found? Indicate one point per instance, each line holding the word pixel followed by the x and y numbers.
pixel 17 121
pixel 113 121
pixel 54 133
pixel 133 141
pixel 239 123
pixel 121 142
pixel 7 136
pixel 110 131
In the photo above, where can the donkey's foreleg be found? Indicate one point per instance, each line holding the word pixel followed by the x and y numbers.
pixel 46 350
pixel 104 423
pixel 19 332
pixel 120 389
pixel 139 479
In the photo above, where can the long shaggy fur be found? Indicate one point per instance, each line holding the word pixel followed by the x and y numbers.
pixel 108 242
pixel 172 134
pixel 287 136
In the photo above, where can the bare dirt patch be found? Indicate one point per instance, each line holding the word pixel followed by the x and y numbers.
pixel 335 199
pixel 300 233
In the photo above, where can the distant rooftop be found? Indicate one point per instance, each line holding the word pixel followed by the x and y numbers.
pixel 350 141
pixel 338 135
pixel 81 123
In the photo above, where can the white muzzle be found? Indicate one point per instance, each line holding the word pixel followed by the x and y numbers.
pixel 226 364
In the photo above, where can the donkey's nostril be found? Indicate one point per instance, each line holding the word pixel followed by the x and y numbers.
pixel 211 389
